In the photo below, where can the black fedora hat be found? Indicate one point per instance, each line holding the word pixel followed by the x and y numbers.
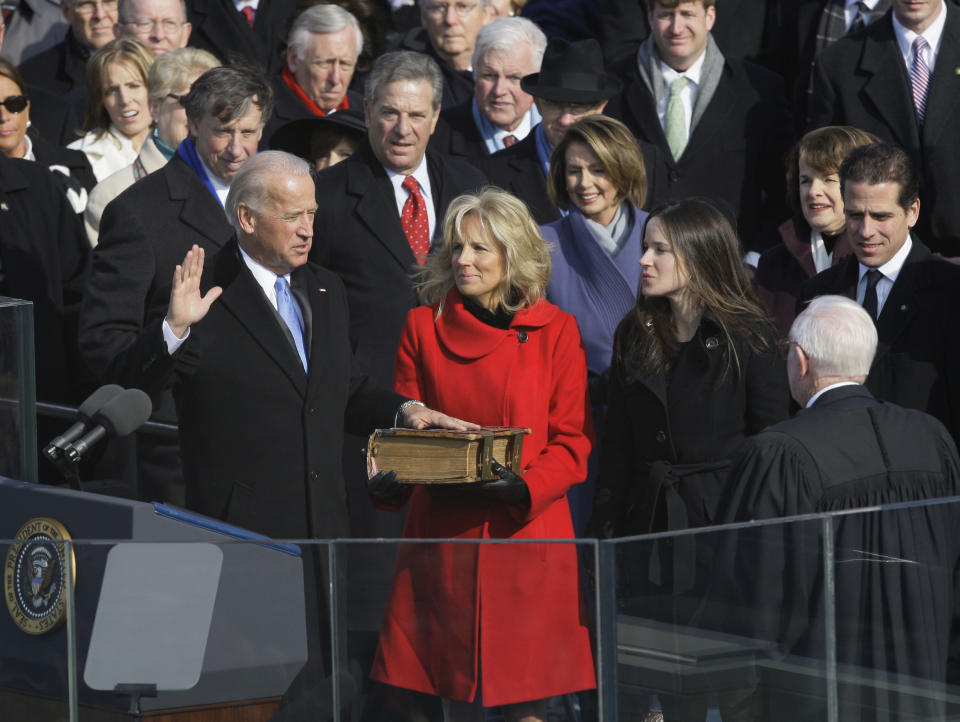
pixel 572 73
pixel 294 137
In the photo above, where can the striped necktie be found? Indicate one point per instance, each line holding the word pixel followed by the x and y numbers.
pixel 920 77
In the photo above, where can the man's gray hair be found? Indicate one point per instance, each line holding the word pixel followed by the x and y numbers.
pixel 322 19
pixel 123 10
pixel 227 93
pixel 251 184
pixel 838 337
pixel 404 65
pixel 505 35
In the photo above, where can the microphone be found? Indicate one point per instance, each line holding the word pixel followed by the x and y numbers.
pixel 120 416
pixel 94 402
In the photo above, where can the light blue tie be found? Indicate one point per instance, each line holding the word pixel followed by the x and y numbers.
pixel 290 313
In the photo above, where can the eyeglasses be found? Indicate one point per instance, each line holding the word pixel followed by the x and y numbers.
pixel 88 6
pixel 145 26
pixel 784 346
pixel 176 96
pixel 15 103
pixel 441 10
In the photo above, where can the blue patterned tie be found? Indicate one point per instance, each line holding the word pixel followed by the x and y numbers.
pixel 290 313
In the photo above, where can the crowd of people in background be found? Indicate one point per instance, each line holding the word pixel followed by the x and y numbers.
pixel 595 219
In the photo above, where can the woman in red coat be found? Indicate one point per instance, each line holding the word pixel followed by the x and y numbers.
pixel 485 625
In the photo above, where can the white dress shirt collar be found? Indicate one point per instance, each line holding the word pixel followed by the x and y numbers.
pixel 825 389
pixel 890 270
pixel 932 35
pixel 264 277
pixel 219 184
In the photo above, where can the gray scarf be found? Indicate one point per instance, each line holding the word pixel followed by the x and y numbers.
pixel 612 236
pixel 648 61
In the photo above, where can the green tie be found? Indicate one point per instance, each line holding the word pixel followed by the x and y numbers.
pixel 673 123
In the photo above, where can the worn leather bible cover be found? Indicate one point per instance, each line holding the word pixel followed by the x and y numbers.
pixel 438 456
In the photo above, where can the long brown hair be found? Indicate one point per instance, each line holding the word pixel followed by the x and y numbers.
pixel 708 251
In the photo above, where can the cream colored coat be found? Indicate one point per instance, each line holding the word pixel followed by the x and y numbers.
pixel 149 160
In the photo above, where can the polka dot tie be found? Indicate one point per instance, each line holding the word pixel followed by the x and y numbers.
pixel 416 226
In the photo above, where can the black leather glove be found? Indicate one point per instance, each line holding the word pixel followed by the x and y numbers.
pixel 509 488
pixel 384 487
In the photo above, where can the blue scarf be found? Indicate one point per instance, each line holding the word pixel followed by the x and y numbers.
pixel 188 151
pixel 489 132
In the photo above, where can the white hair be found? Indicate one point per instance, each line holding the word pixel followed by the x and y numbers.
pixel 838 337
pixel 504 35
pixel 319 20
pixel 251 184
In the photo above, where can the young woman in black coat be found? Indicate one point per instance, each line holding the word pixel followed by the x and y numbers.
pixel 695 369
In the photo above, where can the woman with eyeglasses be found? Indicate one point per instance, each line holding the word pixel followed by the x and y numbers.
pixel 169 79
pixel 117 119
pixel 71 168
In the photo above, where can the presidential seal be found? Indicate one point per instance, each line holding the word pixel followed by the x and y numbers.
pixel 34 576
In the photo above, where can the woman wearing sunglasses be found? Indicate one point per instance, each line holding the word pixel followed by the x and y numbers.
pixel 16 141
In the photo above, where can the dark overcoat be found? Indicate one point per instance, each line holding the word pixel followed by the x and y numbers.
pixel 918 355
pixel 862 81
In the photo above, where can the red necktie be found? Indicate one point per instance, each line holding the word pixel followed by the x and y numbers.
pixel 416 226
pixel 509 140
pixel 248 14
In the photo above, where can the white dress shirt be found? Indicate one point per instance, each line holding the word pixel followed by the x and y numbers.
pixel 850 11
pixel 688 96
pixel 890 270
pixel 932 35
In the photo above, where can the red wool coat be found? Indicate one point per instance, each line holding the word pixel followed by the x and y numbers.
pixel 511 614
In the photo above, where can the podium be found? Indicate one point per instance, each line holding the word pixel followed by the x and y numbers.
pixel 172 599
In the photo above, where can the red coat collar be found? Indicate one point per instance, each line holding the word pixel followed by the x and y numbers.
pixel 467 337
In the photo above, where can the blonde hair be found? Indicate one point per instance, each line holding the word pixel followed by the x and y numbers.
pixel 125 51
pixel 506 220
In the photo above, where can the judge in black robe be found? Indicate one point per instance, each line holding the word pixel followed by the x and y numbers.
pixel 894 569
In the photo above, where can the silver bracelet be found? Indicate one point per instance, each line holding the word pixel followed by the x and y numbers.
pixel 403 407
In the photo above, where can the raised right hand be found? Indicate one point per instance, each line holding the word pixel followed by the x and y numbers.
pixel 187 305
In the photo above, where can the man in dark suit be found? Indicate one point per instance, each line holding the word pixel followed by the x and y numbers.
pixel 500 113
pixel 247 35
pixel 911 294
pixel 148 228
pixel 894 570
pixel 360 233
pixel 876 81
pixel 262 366
pixel 61 69
pixel 570 85
pixel 722 124
pixel 266 382
pixel 161 25
pixel 322 50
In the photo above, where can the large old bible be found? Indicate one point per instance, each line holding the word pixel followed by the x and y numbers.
pixel 438 456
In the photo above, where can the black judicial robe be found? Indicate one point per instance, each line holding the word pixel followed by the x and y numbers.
pixel 895 570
